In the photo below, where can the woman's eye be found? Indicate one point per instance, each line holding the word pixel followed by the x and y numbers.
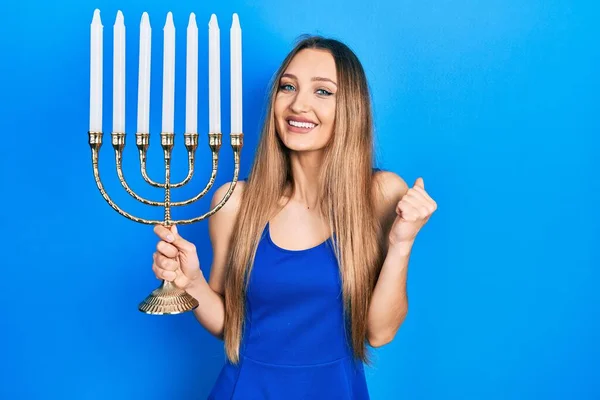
pixel 324 92
pixel 286 87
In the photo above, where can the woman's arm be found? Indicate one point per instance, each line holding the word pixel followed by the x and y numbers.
pixel 389 301
pixel 211 309
pixel 404 212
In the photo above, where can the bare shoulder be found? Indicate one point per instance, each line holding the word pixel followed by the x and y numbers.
pixel 220 228
pixel 388 189
pixel 231 206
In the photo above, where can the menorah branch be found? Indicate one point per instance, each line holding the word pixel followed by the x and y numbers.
pixel 143 143
pixel 95 141
pixel 237 142
pixel 214 141
pixel 118 160
pixel 118 142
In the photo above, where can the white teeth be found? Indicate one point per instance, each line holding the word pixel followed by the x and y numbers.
pixel 307 125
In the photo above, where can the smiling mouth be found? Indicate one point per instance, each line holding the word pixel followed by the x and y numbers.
pixel 301 125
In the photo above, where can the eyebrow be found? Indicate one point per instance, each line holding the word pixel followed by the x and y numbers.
pixel 313 79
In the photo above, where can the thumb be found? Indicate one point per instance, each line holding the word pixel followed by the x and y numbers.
pixel 174 230
pixel 419 182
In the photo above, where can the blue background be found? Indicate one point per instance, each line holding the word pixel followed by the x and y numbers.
pixel 494 103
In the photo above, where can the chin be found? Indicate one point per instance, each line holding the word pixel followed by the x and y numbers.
pixel 302 146
pixel 301 142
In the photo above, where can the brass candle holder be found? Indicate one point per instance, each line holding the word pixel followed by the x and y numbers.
pixel 166 299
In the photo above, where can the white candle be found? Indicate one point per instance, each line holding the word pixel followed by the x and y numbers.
pixel 119 75
pixel 96 30
pixel 191 79
pixel 236 75
pixel 143 116
pixel 168 75
pixel 214 76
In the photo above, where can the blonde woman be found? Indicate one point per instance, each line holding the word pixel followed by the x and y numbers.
pixel 310 254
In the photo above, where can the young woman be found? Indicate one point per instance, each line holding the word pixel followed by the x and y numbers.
pixel 311 252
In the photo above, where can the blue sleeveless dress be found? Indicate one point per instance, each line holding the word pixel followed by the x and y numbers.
pixel 294 343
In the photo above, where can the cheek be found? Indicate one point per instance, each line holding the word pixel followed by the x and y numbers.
pixel 278 108
pixel 328 118
pixel 329 113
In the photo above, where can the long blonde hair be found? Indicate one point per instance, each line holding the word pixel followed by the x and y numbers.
pixel 345 199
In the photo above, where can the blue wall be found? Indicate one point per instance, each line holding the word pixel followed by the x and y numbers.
pixel 494 103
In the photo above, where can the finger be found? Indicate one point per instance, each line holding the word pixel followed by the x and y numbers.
pixel 423 199
pixel 407 213
pixel 412 192
pixel 425 194
pixel 161 273
pixel 164 233
pixel 166 249
pixel 188 248
pixel 405 209
pixel 171 235
pixel 417 205
pixel 156 270
pixel 419 183
pixel 166 263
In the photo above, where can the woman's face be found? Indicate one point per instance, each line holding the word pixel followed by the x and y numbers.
pixel 305 101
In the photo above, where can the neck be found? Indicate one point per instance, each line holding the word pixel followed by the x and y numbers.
pixel 306 167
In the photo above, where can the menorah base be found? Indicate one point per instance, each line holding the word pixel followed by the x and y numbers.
pixel 167 299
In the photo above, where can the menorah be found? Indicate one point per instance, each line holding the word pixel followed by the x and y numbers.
pixel 166 299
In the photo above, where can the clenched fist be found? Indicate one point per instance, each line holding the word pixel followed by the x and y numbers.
pixel 414 210
pixel 175 259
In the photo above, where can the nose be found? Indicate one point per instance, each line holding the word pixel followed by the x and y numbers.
pixel 301 103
